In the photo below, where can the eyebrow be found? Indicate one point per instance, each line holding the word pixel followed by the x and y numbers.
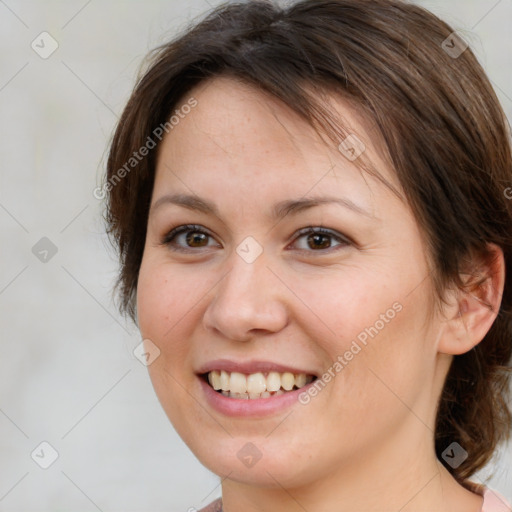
pixel 279 210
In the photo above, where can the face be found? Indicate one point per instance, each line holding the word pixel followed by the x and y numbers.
pixel 271 260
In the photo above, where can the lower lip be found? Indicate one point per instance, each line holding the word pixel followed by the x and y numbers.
pixel 250 407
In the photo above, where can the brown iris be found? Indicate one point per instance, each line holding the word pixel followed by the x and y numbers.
pixel 195 239
pixel 317 238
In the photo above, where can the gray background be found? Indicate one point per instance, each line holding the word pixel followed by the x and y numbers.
pixel 69 376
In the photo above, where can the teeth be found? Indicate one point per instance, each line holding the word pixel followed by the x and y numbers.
pixel 224 380
pixel 237 383
pixel 273 381
pixel 256 385
pixel 300 380
pixel 214 379
pixel 287 381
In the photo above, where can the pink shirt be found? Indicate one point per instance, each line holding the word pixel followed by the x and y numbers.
pixel 495 502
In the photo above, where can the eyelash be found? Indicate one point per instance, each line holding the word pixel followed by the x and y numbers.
pixel 168 239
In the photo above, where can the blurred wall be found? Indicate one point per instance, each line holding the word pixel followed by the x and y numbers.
pixel 69 376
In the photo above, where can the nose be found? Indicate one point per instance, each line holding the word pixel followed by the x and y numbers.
pixel 248 301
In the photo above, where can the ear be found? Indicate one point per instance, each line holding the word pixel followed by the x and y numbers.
pixel 471 312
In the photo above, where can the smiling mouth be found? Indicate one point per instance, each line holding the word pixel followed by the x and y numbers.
pixel 255 385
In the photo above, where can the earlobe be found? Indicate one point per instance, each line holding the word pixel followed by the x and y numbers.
pixel 475 308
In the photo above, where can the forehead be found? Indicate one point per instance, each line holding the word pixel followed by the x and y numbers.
pixel 247 138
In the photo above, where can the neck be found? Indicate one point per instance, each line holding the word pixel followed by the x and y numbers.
pixel 404 476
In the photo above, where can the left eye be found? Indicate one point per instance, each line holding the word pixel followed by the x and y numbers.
pixel 320 239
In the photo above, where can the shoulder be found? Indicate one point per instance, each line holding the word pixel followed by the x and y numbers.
pixel 214 506
pixel 493 500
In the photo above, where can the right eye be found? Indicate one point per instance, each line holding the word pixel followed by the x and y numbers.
pixel 188 237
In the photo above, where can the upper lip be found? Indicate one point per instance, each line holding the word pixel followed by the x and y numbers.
pixel 249 367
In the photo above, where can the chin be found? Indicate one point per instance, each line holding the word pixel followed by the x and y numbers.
pixel 254 462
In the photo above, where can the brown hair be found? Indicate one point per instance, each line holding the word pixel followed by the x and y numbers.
pixel 442 125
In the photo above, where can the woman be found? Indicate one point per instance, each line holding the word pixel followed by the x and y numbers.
pixel 309 205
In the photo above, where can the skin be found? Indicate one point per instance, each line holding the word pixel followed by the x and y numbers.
pixel 366 441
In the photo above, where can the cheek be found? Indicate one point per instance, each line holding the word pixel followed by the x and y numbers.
pixel 348 305
pixel 168 309
pixel 391 369
pixel 371 327
pixel 165 308
pixel 165 297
